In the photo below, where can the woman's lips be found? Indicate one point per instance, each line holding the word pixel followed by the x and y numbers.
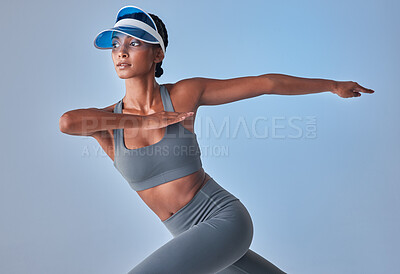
pixel 122 66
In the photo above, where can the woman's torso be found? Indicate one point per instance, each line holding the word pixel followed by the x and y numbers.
pixel 167 198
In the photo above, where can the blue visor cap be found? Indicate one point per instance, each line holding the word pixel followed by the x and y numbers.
pixel 134 22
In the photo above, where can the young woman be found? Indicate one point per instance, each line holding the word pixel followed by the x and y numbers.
pixel 149 136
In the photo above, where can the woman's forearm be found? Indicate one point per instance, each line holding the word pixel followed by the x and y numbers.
pixel 291 85
pixel 88 121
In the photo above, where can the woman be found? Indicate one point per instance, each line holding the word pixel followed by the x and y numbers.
pixel 149 135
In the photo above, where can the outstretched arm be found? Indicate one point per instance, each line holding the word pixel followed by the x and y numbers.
pixel 291 85
pixel 222 91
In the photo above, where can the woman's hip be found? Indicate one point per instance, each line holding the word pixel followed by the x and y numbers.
pixel 211 201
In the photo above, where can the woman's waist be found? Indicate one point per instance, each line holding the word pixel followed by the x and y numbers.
pixel 166 199
pixel 206 203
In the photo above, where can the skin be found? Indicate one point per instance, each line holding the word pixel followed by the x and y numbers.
pixel 142 97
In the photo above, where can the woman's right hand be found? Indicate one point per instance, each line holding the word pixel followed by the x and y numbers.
pixel 163 119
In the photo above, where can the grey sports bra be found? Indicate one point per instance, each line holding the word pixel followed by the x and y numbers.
pixel 175 156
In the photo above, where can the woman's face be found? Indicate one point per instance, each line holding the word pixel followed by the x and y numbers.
pixel 140 56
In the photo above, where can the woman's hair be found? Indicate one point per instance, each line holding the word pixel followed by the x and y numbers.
pixel 164 35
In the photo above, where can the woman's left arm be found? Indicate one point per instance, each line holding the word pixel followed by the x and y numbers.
pixel 217 91
pixel 291 85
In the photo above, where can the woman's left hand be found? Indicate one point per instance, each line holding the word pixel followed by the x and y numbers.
pixel 348 89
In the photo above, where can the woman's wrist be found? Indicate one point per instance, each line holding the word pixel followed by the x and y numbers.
pixel 134 121
pixel 333 86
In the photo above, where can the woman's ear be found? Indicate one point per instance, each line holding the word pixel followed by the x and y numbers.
pixel 158 54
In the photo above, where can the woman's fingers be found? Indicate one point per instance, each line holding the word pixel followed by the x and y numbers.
pixel 164 118
pixel 187 114
pixel 178 116
pixel 348 89
pixel 183 115
pixel 360 88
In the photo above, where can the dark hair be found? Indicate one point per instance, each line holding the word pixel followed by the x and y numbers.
pixel 164 35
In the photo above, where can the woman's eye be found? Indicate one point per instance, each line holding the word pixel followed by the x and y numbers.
pixel 132 43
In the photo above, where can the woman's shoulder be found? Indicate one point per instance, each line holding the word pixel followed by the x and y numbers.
pixel 184 94
pixel 184 84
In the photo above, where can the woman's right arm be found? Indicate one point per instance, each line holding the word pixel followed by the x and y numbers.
pixel 88 121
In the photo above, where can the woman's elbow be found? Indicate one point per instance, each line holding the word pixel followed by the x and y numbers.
pixel 65 123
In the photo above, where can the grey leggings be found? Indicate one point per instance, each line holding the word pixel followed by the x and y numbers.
pixel 212 233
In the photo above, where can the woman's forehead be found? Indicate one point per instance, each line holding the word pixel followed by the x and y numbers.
pixel 119 35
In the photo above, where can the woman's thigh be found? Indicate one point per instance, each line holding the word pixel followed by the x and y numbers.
pixel 206 247
pixel 252 263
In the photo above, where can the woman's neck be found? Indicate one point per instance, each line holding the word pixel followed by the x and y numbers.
pixel 141 94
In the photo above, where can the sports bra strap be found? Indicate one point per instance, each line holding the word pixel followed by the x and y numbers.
pixel 166 99
pixel 117 107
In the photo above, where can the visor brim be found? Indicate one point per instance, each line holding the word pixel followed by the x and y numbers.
pixel 103 39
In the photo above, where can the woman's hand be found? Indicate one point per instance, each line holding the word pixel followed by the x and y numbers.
pixel 348 89
pixel 164 118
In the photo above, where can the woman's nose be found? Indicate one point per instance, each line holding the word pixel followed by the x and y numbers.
pixel 122 51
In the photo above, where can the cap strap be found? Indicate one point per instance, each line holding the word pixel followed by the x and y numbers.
pixel 129 22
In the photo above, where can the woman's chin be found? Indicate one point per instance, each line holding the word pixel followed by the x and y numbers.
pixel 124 75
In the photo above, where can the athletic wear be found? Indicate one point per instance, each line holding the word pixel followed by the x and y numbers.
pixel 212 233
pixel 132 21
pixel 176 155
